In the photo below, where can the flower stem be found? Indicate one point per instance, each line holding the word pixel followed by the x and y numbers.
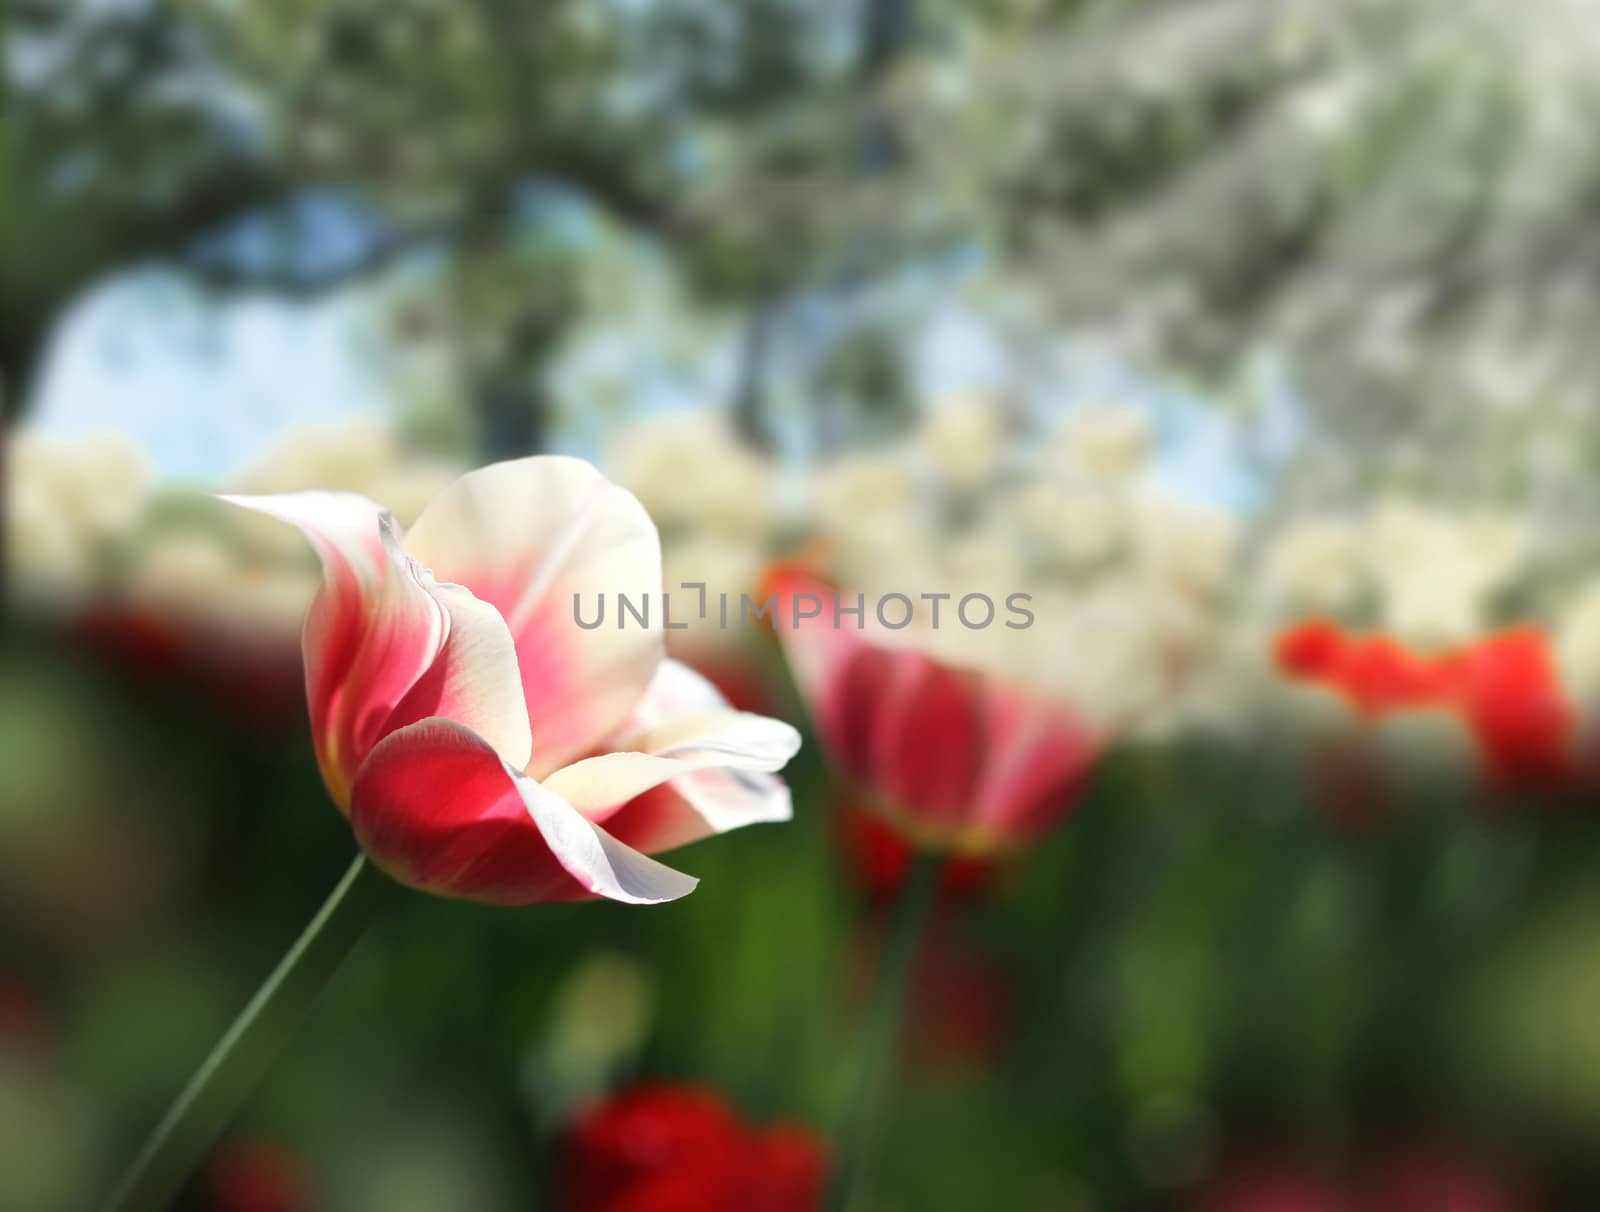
pixel 241 1058
pixel 866 1116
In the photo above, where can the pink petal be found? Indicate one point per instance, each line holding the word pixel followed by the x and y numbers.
pixel 854 703
pixel 438 809
pixel 370 632
pixel 385 644
pixel 823 659
pixel 529 535
pixel 1040 753
pixel 343 529
pixel 905 727
pixel 928 740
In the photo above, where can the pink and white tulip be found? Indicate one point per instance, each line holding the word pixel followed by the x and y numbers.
pixel 954 759
pixel 482 744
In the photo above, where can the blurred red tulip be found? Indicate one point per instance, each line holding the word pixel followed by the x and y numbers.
pixel 1513 700
pixel 1346 778
pixel 1376 673
pixel 256 682
pixel 1505 687
pixel 656 1137
pixel 963 1016
pixel 960 1010
pixel 785 1170
pixel 144 644
pixel 1416 1179
pixel 662 1148
pixel 1429 1178
pixel 486 743
pixel 881 861
pixel 1273 1186
pixel 256 1176
pixel 22 1024
pixel 953 759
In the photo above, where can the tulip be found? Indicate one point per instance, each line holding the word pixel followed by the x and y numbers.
pixel 482 743
pixel 881 861
pixel 1505 687
pixel 660 1148
pixel 1429 1177
pixel 257 1176
pixel 1273 1186
pixel 956 760
pixel 964 1018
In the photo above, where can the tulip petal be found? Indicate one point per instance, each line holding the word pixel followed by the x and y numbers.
pixel 342 527
pixel 954 757
pixel 692 767
pixel 818 653
pixel 697 805
pixel 1040 755
pixel 529 536
pixel 474 679
pixel 855 702
pixel 844 676
pixel 928 740
pixel 675 691
pixel 438 809
pixel 371 630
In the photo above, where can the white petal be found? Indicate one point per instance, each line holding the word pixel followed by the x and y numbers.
pixel 675 690
pixel 732 799
pixel 594 858
pixel 341 526
pixel 732 740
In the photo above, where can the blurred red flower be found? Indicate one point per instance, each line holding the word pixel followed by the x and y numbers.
pixel 1505 688
pixel 961 1015
pixel 1272 1186
pixel 256 1176
pixel 953 759
pixel 964 1008
pixel 666 1148
pixel 22 1021
pixel 256 682
pixel 881 860
pixel 1511 694
pixel 1431 1178
pixel 1411 1179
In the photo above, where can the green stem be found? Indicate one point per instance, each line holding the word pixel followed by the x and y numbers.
pixel 866 1117
pixel 240 1059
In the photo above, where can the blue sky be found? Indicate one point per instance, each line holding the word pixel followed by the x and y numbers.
pixel 205 384
pixel 202 387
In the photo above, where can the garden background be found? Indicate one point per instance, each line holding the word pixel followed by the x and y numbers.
pixel 1199 322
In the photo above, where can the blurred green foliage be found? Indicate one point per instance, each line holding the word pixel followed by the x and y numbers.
pixel 1199 961
pixel 1395 197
